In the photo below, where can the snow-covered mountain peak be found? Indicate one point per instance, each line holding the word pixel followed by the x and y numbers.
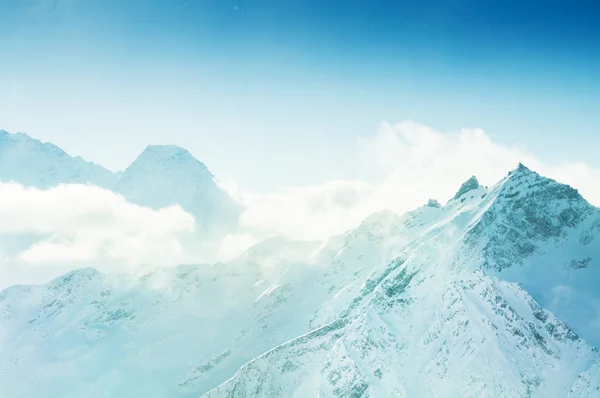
pixel 43 165
pixel 521 168
pixel 544 204
pixel 467 186
pixel 526 209
pixel 25 142
pixel 167 163
pixel 523 182
pixel 544 235
pixel 161 176
pixel 168 158
pixel 164 175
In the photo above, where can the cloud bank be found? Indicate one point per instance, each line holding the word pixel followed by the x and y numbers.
pixel 68 226
pixel 46 232
pixel 407 163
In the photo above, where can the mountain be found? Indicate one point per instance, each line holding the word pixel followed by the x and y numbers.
pixel 441 319
pixel 165 174
pixel 161 176
pixel 43 165
pixel 492 295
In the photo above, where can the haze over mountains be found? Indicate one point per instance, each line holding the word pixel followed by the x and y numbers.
pixel 493 294
pixel 44 165
pixel 163 175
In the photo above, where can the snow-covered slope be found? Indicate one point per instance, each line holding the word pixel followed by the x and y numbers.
pixel 194 326
pixel 164 175
pixel 44 165
pixel 546 237
pixel 479 338
pixel 443 320
pixel 493 294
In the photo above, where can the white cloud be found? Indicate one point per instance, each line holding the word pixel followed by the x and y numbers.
pixel 230 246
pixel 435 164
pixel 315 212
pixel 409 163
pixel 69 226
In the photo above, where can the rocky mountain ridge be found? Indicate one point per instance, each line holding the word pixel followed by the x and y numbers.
pixel 493 294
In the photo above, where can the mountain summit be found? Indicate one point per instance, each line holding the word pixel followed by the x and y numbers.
pixel 164 175
pixel 169 156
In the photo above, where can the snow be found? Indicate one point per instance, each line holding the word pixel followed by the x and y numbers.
pixel 44 165
pixel 164 175
pixel 492 295
pixel 267 292
pixel 439 321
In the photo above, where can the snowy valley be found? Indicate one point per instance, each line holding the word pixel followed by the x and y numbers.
pixel 493 294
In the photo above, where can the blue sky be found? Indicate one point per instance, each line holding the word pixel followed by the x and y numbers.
pixel 273 93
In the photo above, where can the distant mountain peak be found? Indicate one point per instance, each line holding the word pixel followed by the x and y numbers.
pixel 169 157
pixel 166 151
pixel 161 176
pixel 32 162
pixel 22 138
pixel 467 186
pixel 164 175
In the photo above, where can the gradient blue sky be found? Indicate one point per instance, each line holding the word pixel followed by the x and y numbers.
pixel 273 93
